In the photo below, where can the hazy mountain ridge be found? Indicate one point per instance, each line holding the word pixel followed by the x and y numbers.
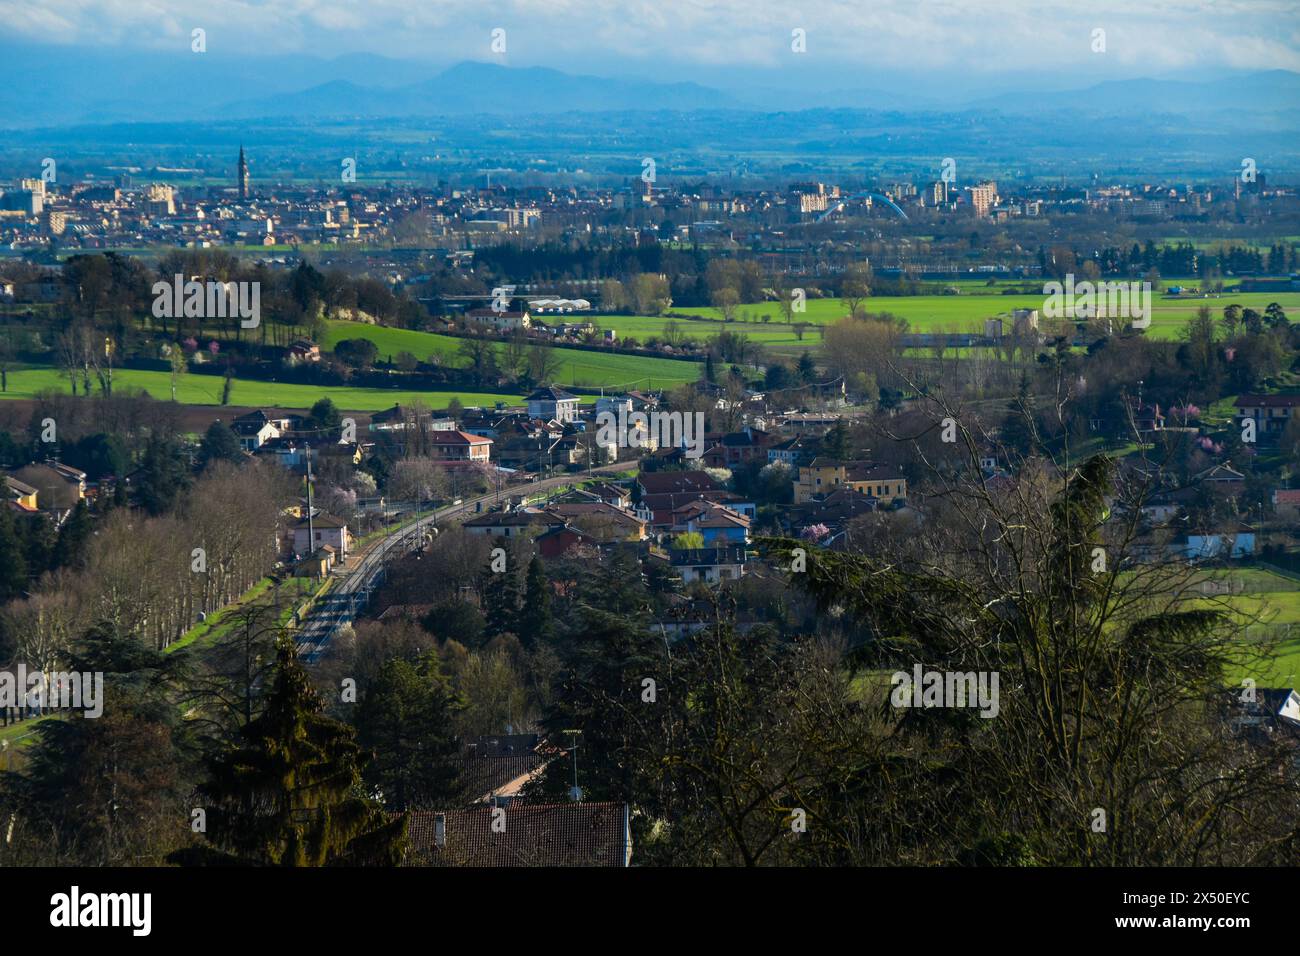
pixel 57 86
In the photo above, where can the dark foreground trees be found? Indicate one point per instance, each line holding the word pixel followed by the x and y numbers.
pixel 1108 739
pixel 405 719
pixel 289 794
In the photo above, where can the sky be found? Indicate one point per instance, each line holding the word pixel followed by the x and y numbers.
pixel 943 44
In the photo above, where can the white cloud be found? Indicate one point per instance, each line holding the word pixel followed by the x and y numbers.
pixel 980 36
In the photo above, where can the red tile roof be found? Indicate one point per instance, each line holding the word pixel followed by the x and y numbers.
pixel 552 834
pixel 676 482
pixel 457 437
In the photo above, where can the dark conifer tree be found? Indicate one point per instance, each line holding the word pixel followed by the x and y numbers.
pixel 535 619
pixel 13 558
pixel 405 719
pixel 289 794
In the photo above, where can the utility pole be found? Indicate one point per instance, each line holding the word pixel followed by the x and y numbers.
pixel 311 526
pixel 575 794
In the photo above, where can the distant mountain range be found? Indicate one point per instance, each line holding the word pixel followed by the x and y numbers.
pixel 488 88
pixel 1273 91
pixel 59 86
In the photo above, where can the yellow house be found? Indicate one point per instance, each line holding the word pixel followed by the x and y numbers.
pixel 22 494
pixel 821 476
pixel 60 486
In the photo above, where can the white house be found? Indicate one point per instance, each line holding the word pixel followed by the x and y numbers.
pixel 501 321
pixel 322 530
pixel 553 404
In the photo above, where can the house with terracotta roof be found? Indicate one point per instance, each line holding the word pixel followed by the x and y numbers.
pixel 643 401
pixel 564 539
pixel 715 523
pixel 658 510
pixel 675 482
pixel 736 448
pixel 601 520
pixel 457 445
pixel 1286 504
pixel 521 835
pixel 495 767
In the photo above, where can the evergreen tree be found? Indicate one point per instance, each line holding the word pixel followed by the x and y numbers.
pixel 12 454
pixel 1018 431
pixel 110 787
pixel 39 544
pixel 535 619
pixel 163 475
pixel 405 719
pixel 606 658
pixel 324 415
pixel 69 548
pixel 501 598
pixel 13 560
pixel 98 455
pixel 807 368
pixel 836 443
pixel 288 795
pixel 220 443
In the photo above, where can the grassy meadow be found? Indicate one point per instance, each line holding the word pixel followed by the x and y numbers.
pixel 924 313
pixel 206 390
pixel 575 366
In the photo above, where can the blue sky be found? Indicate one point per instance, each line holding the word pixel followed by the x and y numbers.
pixel 943 43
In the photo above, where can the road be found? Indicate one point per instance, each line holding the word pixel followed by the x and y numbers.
pixel 353 585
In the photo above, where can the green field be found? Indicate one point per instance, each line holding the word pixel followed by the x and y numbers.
pixel 1270 605
pixel 576 366
pixel 924 313
pixel 206 390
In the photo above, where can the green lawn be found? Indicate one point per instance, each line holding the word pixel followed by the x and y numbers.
pixel 576 366
pixel 1274 601
pixel 206 390
pixel 217 622
pixel 22 733
pixel 924 313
